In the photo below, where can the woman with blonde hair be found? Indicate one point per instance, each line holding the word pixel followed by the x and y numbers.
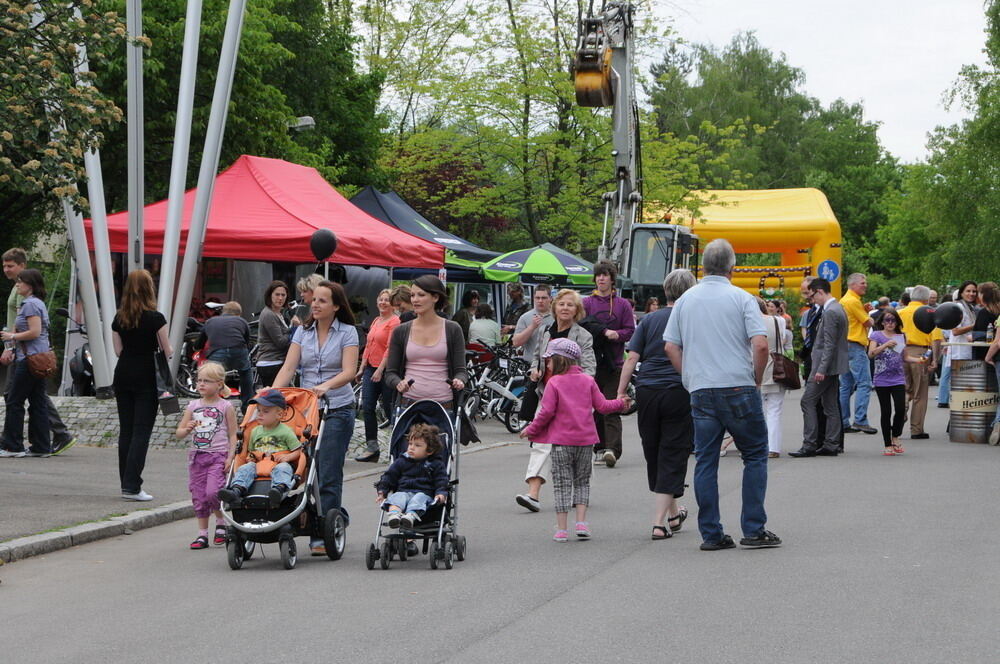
pixel 138 330
pixel 567 310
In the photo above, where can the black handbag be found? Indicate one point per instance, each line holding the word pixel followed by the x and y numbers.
pixel 169 403
pixel 529 401
pixel 785 371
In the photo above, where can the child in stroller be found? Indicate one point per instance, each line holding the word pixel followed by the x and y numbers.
pixel 273 448
pixel 406 488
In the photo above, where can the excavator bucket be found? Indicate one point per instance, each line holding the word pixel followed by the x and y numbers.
pixel 592 80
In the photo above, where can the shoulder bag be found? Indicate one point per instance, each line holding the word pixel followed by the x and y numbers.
pixel 41 365
pixel 785 371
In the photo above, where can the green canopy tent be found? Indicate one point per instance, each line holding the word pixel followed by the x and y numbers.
pixel 544 264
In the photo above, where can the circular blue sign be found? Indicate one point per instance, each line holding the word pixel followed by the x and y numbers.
pixel 828 270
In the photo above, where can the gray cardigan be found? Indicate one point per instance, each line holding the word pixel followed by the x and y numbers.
pixel 588 362
pixel 395 365
pixel 272 337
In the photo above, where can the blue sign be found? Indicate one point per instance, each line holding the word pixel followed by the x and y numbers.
pixel 828 270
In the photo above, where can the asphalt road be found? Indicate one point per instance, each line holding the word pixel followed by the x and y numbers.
pixel 886 559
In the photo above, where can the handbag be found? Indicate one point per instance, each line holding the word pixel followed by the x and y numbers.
pixel 41 365
pixel 529 401
pixel 785 371
pixel 169 403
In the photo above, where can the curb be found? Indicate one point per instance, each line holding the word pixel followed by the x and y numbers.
pixel 42 543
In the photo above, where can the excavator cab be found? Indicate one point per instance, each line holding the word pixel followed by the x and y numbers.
pixel 592 71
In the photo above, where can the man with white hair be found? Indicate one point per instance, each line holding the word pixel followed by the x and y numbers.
pixel 919 344
pixel 857 381
pixel 717 341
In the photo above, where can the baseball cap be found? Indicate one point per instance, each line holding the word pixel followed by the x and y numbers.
pixel 270 397
pixel 565 347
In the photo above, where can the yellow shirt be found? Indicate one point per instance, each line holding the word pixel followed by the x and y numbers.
pixel 856 317
pixel 913 335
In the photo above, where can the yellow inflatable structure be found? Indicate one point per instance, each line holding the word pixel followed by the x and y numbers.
pixel 798 224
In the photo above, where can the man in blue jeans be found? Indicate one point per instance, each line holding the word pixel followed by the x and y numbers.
pixel 716 339
pixel 857 381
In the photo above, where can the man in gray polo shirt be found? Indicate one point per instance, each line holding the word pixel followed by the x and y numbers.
pixel 530 321
pixel 716 338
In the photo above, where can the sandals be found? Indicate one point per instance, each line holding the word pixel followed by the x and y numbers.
pixel 898 449
pixel 682 514
pixel 200 542
pixel 661 533
pixel 220 535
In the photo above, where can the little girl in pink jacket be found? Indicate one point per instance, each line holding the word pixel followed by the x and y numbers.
pixel 565 419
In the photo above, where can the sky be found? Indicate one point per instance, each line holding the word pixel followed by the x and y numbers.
pixel 898 58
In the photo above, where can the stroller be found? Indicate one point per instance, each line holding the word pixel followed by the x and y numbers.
pixel 439 525
pixel 255 521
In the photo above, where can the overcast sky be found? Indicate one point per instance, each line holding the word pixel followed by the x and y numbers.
pixel 896 57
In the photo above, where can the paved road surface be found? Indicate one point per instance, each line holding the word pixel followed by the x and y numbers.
pixel 886 560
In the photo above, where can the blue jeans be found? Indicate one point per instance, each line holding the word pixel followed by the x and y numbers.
pixel 337 430
pixel 410 501
pixel 280 474
pixel 859 380
pixel 238 359
pixel 944 384
pixel 371 393
pixel 738 410
pixel 23 386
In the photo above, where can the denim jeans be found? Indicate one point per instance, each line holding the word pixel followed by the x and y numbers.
pixel 23 386
pixel 280 474
pixel 739 411
pixel 857 381
pixel 337 430
pixel 238 359
pixel 944 384
pixel 371 393
pixel 410 501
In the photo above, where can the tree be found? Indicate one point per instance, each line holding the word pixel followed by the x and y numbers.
pixel 50 116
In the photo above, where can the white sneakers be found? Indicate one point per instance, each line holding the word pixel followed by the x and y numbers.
pixel 142 496
pixel 11 455
pixel 610 459
pixel 527 502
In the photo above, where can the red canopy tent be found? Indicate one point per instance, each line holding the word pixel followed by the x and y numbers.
pixel 267 209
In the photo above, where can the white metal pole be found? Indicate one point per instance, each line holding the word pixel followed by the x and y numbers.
pixel 85 276
pixel 134 121
pixel 67 380
pixel 206 176
pixel 178 166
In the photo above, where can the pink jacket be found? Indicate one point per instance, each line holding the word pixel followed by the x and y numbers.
pixel 566 413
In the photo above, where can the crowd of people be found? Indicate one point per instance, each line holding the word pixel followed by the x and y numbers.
pixel 702 359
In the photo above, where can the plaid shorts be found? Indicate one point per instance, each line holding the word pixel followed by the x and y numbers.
pixel 571 469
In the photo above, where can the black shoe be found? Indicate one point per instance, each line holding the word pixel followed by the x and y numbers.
pixel 944 405
pixel 232 495
pixel 851 430
pixel 368 457
pixel 803 452
pixel 763 540
pixel 919 436
pixel 826 451
pixel 411 549
pixel 866 429
pixel 725 543
pixel 276 495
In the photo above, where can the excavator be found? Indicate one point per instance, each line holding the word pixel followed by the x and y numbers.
pixel 603 76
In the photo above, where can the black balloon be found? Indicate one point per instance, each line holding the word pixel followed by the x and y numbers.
pixel 323 243
pixel 923 318
pixel 948 315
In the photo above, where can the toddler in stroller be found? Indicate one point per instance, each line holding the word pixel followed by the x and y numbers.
pixel 407 486
pixel 273 448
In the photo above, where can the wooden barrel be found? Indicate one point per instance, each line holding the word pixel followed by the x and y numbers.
pixel 973 401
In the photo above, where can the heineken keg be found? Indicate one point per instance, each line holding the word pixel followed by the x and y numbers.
pixel 973 401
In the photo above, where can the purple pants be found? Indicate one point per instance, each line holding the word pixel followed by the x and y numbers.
pixel 206 475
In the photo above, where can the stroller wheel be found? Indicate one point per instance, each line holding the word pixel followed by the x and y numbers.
pixel 432 554
pixel 234 550
pixel 401 549
pixel 386 555
pixel 460 547
pixel 371 556
pixel 449 554
pixel 249 546
pixel 288 554
pixel 334 534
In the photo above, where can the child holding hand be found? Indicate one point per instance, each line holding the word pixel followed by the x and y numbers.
pixel 411 480
pixel 210 422
pixel 565 419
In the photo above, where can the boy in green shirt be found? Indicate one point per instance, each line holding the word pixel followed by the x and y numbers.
pixel 272 442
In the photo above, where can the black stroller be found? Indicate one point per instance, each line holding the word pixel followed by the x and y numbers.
pixel 439 526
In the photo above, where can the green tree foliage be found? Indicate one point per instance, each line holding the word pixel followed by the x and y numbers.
pixel 49 117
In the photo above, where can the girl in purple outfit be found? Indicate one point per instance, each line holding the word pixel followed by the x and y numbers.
pixel 211 424
pixel 886 344
pixel 565 420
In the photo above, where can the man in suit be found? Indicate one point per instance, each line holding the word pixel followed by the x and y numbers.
pixel 829 361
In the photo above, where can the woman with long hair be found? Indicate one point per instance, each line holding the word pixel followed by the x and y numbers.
pixel 29 337
pixel 373 368
pixel 325 352
pixel 272 333
pixel 968 299
pixel 138 330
